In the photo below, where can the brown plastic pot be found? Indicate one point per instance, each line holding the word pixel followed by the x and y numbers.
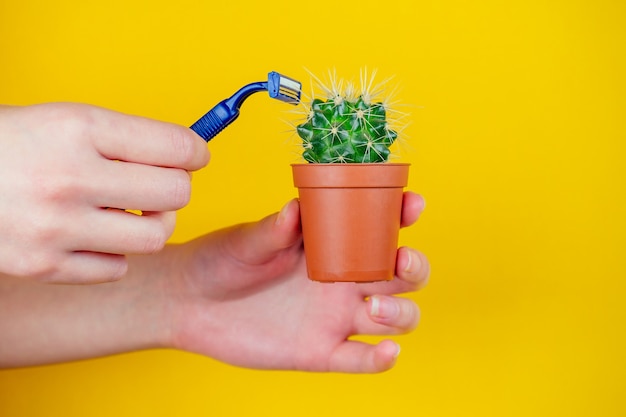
pixel 350 217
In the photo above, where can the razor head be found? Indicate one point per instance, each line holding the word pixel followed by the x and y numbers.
pixel 284 88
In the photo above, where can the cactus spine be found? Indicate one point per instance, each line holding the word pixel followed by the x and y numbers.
pixel 346 127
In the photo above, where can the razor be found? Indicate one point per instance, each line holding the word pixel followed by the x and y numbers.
pixel 225 112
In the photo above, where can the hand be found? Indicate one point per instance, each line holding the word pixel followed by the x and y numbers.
pixel 68 171
pixel 241 295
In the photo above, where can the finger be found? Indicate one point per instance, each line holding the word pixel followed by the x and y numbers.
pixel 138 139
pixel 140 187
pixel 90 268
pixel 359 357
pixel 412 274
pixel 386 315
pixel 122 233
pixel 413 268
pixel 412 207
pixel 256 243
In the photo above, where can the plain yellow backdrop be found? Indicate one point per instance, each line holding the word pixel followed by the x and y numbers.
pixel 518 124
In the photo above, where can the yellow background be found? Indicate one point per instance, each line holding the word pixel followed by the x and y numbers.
pixel 517 143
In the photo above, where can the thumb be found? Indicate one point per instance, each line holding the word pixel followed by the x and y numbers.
pixel 257 243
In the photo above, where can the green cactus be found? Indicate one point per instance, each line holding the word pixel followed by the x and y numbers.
pixel 346 129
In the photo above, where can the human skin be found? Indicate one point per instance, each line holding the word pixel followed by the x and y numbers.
pixel 239 295
pixel 68 171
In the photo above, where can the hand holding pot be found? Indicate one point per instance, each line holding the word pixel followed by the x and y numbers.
pixel 245 299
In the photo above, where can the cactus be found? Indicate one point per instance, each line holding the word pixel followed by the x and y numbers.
pixel 347 127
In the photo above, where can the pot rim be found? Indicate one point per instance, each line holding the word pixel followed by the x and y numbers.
pixel 358 175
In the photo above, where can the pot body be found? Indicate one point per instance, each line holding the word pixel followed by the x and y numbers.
pixel 350 217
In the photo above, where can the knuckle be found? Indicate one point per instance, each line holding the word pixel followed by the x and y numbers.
pixel 42 233
pixel 72 121
pixel 58 189
pixel 181 189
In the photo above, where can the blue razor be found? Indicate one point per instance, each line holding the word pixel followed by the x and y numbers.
pixel 224 113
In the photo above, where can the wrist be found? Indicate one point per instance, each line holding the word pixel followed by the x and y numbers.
pixel 149 282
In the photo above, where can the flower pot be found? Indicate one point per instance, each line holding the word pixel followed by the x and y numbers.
pixel 350 217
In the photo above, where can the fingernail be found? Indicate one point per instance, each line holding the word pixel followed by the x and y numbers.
pixel 384 307
pixel 283 214
pixel 398 351
pixel 413 262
